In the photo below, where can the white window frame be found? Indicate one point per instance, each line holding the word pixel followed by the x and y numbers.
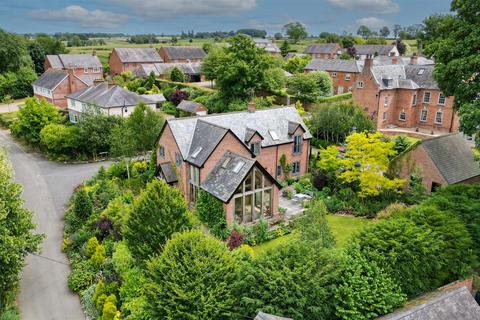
pixel 334 74
pixel 348 76
pixel 441 117
pixel 360 85
pixel 297 144
pixel 296 167
pixel 404 116
pixel 424 115
pixel 385 101
pixel 440 96
pixel 85 70
pixel 350 89
pixel 414 100
pixel 73 117
pixel 385 116
pixel 96 70
pixel 255 148
pixel 425 100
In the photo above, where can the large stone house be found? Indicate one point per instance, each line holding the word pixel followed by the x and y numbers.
pixel 129 59
pixel 343 72
pixel 404 96
pixel 181 54
pixel 235 157
pixel 85 66
pixel 324 50
pixel 161 70
pixel 363 51
pixel 55 85
pixel 111 99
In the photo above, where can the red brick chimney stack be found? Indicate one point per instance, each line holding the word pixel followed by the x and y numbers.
pixel 413 59
pixel 394 60
pixel 368 63
pixel 252 106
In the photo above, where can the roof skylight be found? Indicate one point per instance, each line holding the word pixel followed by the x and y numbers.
pixel 238 166
pixel 421 71
pixel 273 134
pixel 226 162
pixel 196 152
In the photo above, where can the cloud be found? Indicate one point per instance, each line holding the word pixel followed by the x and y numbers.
pixel 172 8
pixel 82 16
pixel 375 6
pixel 371 22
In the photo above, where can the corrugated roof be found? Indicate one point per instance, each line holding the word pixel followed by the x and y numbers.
pixel 105 96
pixel 373 49
pixel 264 121
pixel 457 304
pixel 322 48
pixel 184 52
pixel 265 316
pixel 339 65
pixel 138 55
pixel 453 157
pixel 50 79
pixel 189 106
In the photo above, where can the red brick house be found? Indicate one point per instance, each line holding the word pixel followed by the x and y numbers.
pixel 129 59
pixel 363 51
pixel 55 85
pixel 235 157
pixel 85 66
pixel 404 96
pixel 343 72
pixel 324 51
pixel 181 54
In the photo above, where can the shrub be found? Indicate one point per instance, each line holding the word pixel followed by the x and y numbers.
pixel 210 211
pixel 101 302
pixel 88 301
pixel 235 240
pixel 109 311
pixel 260 230
pixel 98 257
pixel 82 204
pixel 105 226
pixel 314 226
pixel 309 87
pixel 91 247
pixel 192 278
pixel 177 96
pixel 82 276
pixel 177 75
pixel 392 209
pixel 60 140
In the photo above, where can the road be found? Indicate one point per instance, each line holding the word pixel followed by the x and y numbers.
pixel 47 186
pixel 10 107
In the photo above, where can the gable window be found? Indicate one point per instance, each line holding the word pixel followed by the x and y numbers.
pixel 334 74
pixel 194 179
pixel 296 167
pixel 441 99
pixel 426 97
pixel 178 159
pixel 360 84
pixel 439 117
pixel 347 76
pixel 255 148
pixel 414 100
pixel 403 116
pixel 385 101
pixel 85 70
pixel 424 115
pixel 161 151
pixel 297 144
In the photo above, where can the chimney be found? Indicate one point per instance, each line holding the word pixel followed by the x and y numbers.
pixel 394 60
pixel 368 63
pixel 413 59
pixel 97 81
pixel 71 84
pixel 252 106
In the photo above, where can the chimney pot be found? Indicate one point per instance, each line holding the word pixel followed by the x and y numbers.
pixel 394 60
pixel 413 59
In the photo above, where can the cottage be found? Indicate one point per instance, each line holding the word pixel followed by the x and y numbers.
pixel 343 72
pixel 111 99
pixel 128 59
pixel 54 85
pixel 85 66
pixel 235 157
pixel 324 51
pixel 161 70
pixel 182 54
pixel 442 161
pixel 267 45
pixel 363 51
pixel 404 96
pixel 192 108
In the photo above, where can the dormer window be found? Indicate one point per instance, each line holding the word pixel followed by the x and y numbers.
pixel 255 148
pixel 297 144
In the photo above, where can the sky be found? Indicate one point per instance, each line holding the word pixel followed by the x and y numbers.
pixel 173 16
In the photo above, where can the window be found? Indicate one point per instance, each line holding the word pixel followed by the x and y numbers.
pixel 73 117
pixel 439 117
pixel 296 167
pixel 297 144
pixel 385 116
pixel 441 99
pixel 279 171
pixel 255 148
pixel 72 102
pixel 334 74
pixel 347 76
pixel 403 116
pixel 178 159
pixel 96 70
pixel 85 70
pixel 161 151
pixel 194 183
pixel 426 97
pixel 360 84
pixel 414 101
pixel 424 115
pixel 125 65
pixel 350 89
pixel 385 101
pixel 340 90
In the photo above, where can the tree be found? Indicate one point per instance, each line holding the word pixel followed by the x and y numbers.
pixel 178 96
pixel 177 75
pixel 157 213
pixel 285 48
pixel 363 164
pixel 210 211
pixel 16 231
pixel 193 278
pixel 37 53
pixel 384 32
pixel 454 41
pixel 364 31
pixel 366 291
pixel 278 36
pixel 309 87
pixel 33 117
pixel 401 46
pixel 13 52
pixel 212 62
pixel 123 144
pixel 297 64
pixel 295 31
pixel 82 205
pixel 314 226
pixel 348 41
pixel 254 33
pixel 59 139
pixel 396 30
pixel 144 124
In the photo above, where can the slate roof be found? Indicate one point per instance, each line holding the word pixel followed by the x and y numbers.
pixel 189 106
pixel 61 61
pixel 322 48
pixel 294 54
pixel 264 121
pixel 155 97
pixel 168 172
pixel 205 139
pixel 50 79
pixel 339 65
pixel 456 304
pixel 159 69
pixel 222 181
pixel 138 55
pixel 383 60
pixel 265 316
pixel 184 52
pixel 405 76
pixel 453 157
pixel 105 96
pixel 380 49
pixel 266 44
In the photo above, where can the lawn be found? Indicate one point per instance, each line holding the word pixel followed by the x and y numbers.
pixel 342 227
pixel 7 118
